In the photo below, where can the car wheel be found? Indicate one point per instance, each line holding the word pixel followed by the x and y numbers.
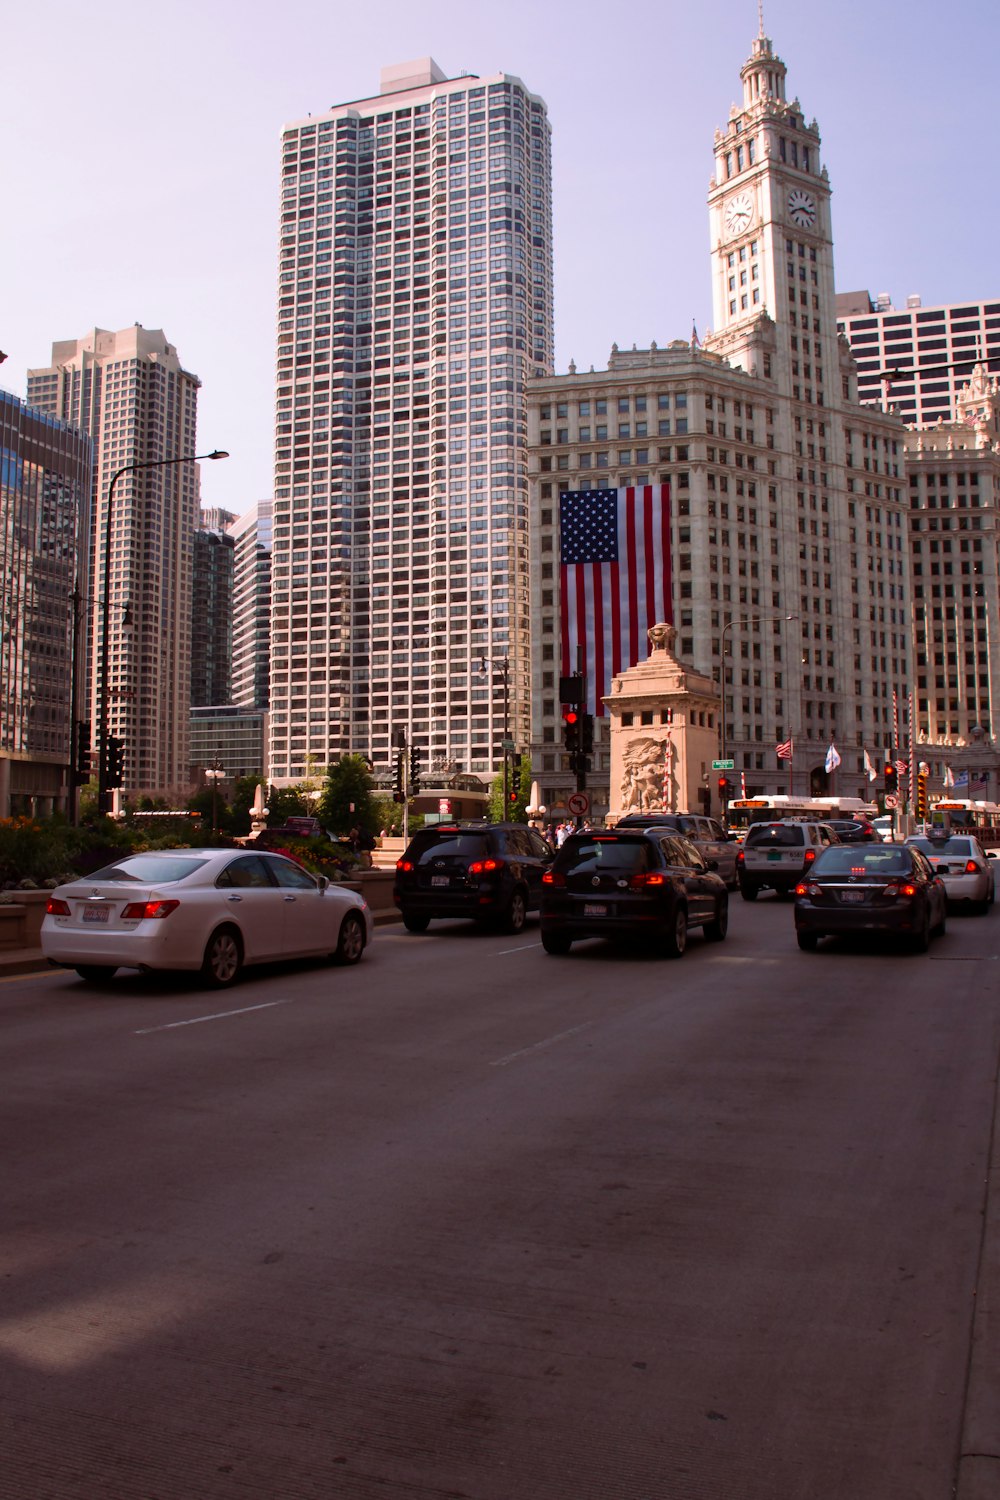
pixel 674 941
pixel 351 942
pixel 716 931
pixel 749 892
pixel 554 942
pixel 516 913
pixel 922 938
pixel 939 930
pixel 96 973
pixel 807 941
pixel 223 959
pixel 416 924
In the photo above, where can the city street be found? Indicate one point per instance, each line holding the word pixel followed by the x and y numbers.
pixel 471 1221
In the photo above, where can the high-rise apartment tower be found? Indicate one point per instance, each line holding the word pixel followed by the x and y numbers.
pixel 415 301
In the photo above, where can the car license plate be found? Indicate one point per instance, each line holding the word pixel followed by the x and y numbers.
pixel 96 913
pixel 440 880
pixel 856 896
pixel 774 854
pixel 595 909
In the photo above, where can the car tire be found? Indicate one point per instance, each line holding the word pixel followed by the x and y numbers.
pixel 97 973
pixel 922 939
pixel 223 961
pixel 516 913
pixel 416 924
pixel 807 941
pixel 674 940
pixel 351 942
pixel 749 892
pixel 554 942
pixel 716 931
pixel 941 928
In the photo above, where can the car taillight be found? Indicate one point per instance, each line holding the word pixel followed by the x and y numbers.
pixel 645 878
pixel 897 889
pixel 405 865
pixel 810 856
pixel 141 911
pixel 810 889
pixel 971 868
pixel 485 866
pixel 740 857
pixel 553 877
pixel 56 908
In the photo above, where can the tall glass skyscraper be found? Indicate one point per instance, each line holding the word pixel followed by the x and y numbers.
pixel 415 302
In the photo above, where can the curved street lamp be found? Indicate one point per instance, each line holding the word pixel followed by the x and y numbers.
pixel 103 790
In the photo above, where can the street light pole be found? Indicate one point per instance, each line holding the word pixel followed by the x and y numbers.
pixel 103 790
pixel 505 668
pixel 215 772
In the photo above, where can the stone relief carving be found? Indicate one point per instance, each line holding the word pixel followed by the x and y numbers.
pixel 643 769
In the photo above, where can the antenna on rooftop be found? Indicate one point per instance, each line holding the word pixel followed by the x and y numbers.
pixel 760 17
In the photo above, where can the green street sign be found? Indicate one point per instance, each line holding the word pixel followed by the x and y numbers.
pixel 723 765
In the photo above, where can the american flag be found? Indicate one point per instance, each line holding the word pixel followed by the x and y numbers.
pixel 784 750
pixel 615 580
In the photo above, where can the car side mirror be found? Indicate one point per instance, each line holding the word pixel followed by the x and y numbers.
pixel 713 864
pixel 322 882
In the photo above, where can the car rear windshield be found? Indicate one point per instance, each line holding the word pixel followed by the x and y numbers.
pixel 864 859
pixel 780 835
pixel 579 855
pixel 953 845
pixel 148 869
pixel 462 844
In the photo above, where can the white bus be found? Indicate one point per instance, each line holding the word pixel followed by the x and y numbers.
pixel 767 808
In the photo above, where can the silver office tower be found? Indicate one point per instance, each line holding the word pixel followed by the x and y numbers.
pixel 415 302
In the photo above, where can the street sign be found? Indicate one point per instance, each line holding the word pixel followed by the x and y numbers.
pixel 578 803
pixel 723 765
pixel 891 800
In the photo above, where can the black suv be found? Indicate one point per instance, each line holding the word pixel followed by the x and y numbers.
pixel 490 871
pixel 631 883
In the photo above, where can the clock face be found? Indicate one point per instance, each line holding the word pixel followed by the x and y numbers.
pixel 739 213
pixel 802 208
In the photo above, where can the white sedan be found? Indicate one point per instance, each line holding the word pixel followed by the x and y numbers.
pixel 964 867
pixel 212 910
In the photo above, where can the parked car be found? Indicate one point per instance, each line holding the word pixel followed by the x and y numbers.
pixel 209 909
pixel 717 847
pixel 489 871
pixel 854 830
pixel 631 883
pixel 964 866
pixel 888 888
pixel 777 855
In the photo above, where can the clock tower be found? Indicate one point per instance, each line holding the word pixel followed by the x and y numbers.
pixel 772 242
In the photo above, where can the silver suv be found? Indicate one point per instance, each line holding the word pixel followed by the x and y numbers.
pixel 708 836
pixel 777 855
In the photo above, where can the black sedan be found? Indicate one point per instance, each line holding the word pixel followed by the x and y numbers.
pixel 870 888
pixel 650 885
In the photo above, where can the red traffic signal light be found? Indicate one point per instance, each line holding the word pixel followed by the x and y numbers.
pixel 570 716
pixel 723 784
pixel 512 796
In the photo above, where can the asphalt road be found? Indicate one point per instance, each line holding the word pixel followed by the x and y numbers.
pixel 471 1221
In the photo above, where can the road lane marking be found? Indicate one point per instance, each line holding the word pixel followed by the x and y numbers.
pixel 525 948
pixel 560 1036
pixel 219 1015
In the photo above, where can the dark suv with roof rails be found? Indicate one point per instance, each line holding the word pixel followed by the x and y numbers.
pixel 491 872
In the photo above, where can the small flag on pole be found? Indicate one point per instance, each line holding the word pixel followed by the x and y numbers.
pixel 784 750
pixel 949 776
pixel 832 758
pixel 872 773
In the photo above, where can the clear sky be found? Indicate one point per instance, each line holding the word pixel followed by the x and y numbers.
pixel 141 151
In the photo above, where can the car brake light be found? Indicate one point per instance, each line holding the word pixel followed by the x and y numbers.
pixel 810 856
pixel 141 911
pixel 971 868
pixel 894 888
pixel 56 908
pixel 740 857
pixel 810 889
pixel 553 877
pixel 645 878
pixel 485 866
pixel 405 865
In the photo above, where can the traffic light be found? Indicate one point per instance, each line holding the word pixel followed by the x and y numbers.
pixel 571 729
pixel 723 788
pixel 922 796
pixel 81 772
pixel 513 795
pixel 415 758
pixel 586 733
pixel 891 778
pixel 116 762
pixel 397 778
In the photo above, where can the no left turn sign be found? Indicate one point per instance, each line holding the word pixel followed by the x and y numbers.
pixel 578 803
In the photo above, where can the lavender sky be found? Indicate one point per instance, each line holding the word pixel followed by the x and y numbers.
pixel 140 170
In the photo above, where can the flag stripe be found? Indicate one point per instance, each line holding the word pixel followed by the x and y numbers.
pixel 615 578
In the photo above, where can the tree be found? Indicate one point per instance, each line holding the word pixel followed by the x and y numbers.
pixel 514 810
pixel 346 800
pixel 285 802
